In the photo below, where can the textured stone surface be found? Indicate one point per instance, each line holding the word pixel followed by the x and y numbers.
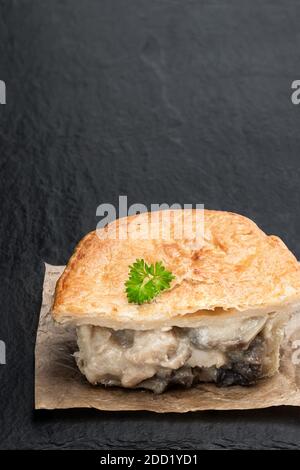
pixel 165 101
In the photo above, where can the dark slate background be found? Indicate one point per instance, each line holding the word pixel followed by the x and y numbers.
pixel 165 101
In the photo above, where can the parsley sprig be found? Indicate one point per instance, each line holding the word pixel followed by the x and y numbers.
pixel 146 281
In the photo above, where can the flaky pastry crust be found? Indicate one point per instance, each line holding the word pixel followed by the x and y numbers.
pixel 236 267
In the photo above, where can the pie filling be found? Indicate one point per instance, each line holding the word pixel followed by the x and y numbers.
pixel 234 352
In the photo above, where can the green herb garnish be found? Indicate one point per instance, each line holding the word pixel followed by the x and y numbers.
pixel 146 281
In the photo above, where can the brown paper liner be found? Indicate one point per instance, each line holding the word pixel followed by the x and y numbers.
pixel 59 384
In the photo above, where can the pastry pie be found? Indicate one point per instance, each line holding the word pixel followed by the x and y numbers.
pixel 221 320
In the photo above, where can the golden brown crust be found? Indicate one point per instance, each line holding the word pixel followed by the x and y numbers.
pixel 237 267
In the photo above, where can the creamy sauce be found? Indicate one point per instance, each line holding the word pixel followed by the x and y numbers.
pixel 129 357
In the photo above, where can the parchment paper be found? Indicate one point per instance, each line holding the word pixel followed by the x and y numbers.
pixel 59 384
